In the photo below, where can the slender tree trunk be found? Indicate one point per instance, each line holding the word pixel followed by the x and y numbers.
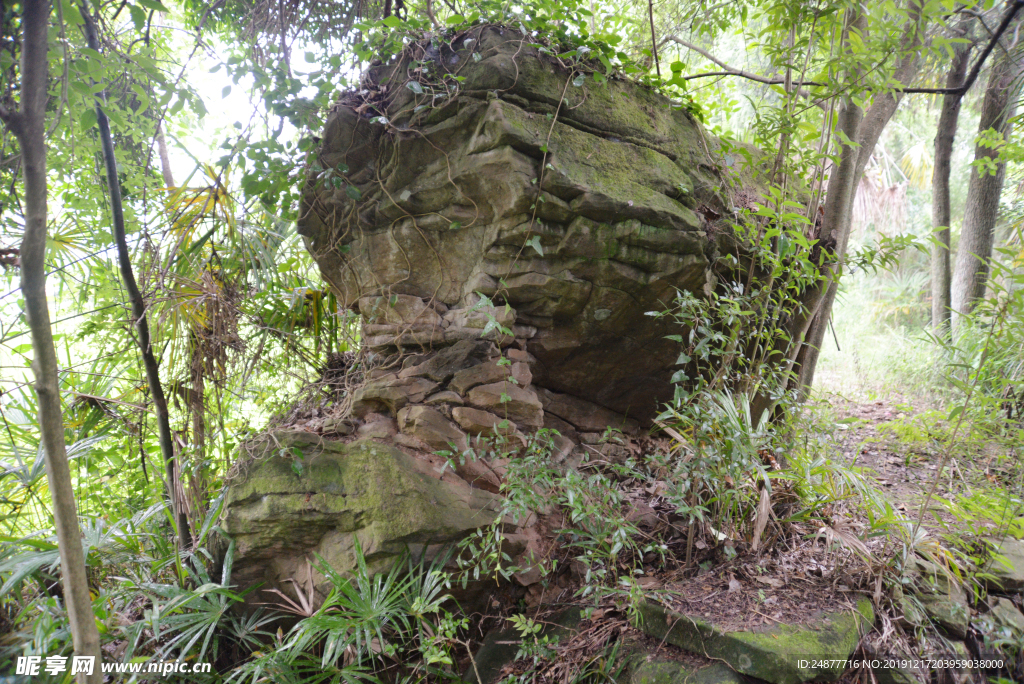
pixel 29 125
pixel 835 226
pixel 138 304
pixel 944 135
pixel 970 273
pixel 839 201
pixel 165 158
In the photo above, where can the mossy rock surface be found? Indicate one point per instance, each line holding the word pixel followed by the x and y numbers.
pixel 309 497
pixel 939 594
pixel 782 654
pixel 1005 570
pixel 646 671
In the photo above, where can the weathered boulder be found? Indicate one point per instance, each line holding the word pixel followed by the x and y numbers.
pixel 321 497
pixel 575 219
pixel 502 249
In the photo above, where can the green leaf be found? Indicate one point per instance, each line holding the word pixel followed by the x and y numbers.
pixel 138 17
pixel 579 80
pixel 154 5
pixel 455 19
pixel 88 119
pixel 535 243
pixel 455 225
pixel 392 22
pixel 310 57
pixel 225 91
pixel 676 67
pixel 353 192
pixel 415 87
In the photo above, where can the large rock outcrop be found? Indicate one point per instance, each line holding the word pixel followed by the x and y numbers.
pixel 503 251
pixel 442 191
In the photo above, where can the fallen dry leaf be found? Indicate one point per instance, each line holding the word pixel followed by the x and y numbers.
pixel 771 581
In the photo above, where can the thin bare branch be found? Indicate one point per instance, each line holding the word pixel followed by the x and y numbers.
pixel 1015 7
pixel 731 71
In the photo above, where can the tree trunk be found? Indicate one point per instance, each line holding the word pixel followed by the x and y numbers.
pixel 970 273
pixel 138 304
pixel 839 201
pixel 165 158
pixel 944 135
pixel 29 125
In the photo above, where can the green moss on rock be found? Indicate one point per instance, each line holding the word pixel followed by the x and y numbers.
pixel 320 498
pixel 783 654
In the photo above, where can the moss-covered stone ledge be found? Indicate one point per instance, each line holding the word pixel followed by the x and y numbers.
pixel 783 654
pixel 303 496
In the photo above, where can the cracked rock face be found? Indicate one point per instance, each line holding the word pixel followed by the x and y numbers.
pixel 447 202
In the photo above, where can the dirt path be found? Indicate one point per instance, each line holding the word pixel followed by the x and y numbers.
pixel 903 446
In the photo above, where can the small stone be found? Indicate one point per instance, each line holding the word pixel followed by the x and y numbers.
pixel 584 415
pixel 524 332
pixel 479 317
pixel 522 373
pixel 1005 572
pixel 389 394
pixel 553 422
pixel 505 399
pixel 411 442
pixel 940 596
pixel 562 448
pixel 445 397
pixel 338 426
pixel 450 360
pixel 432 428
pixel 520 355
pixel 377 426
pixel 483 374
pixel 398 310
pixel 477 422
pixel 1004 617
